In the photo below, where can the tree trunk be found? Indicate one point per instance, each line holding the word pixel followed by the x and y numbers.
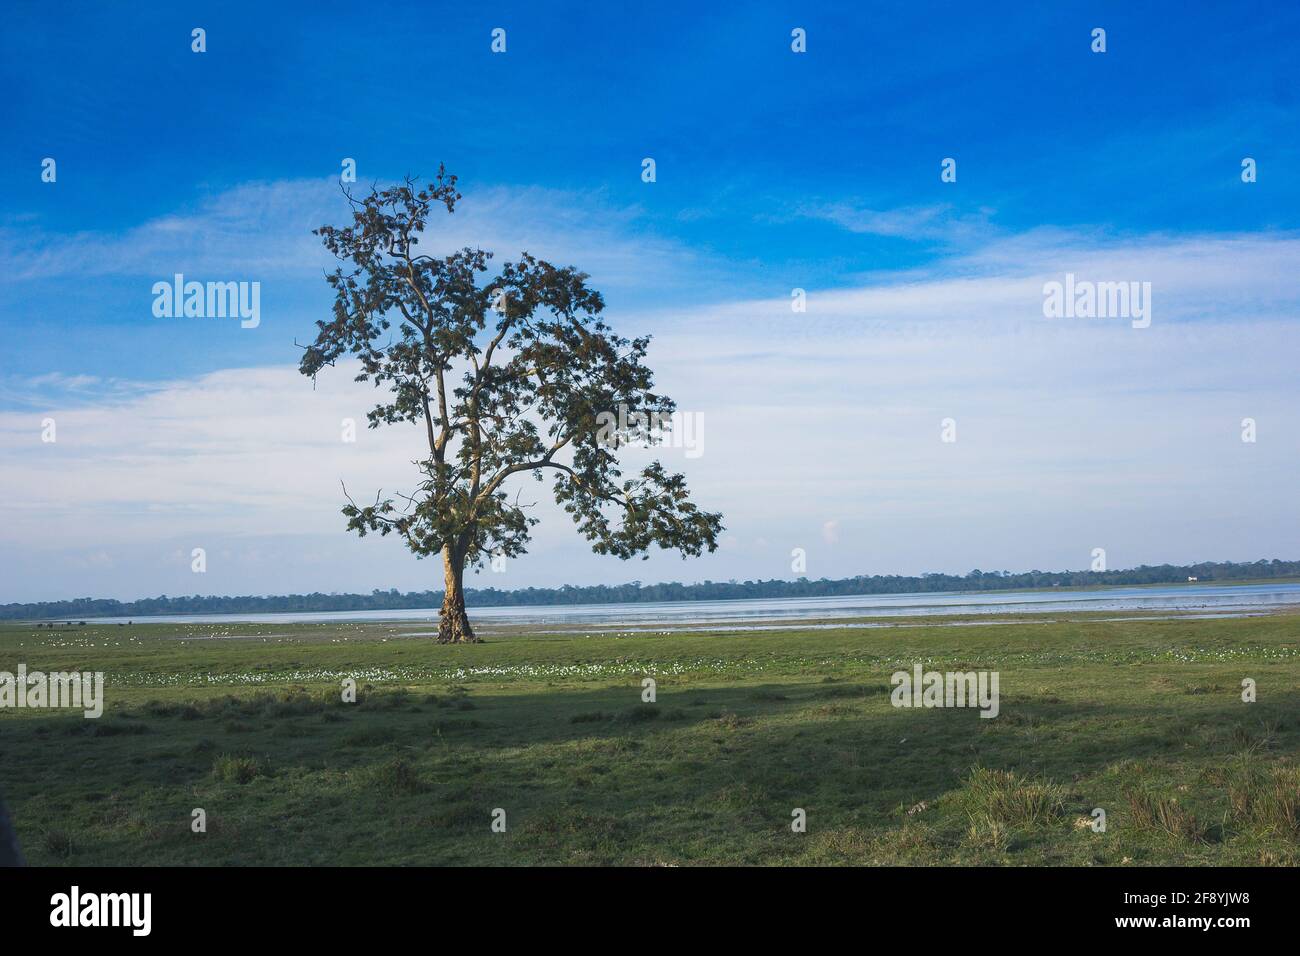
pixel 453 622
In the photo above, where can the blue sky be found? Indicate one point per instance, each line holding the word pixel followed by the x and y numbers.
pixel 775 170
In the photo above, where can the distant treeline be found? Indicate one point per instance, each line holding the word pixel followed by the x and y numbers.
pixel 635 591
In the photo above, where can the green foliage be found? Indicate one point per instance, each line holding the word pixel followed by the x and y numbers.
pixel 509 375
pixel 1000 798
pixel 237 768
pixel 1162 812
pixel 1266 797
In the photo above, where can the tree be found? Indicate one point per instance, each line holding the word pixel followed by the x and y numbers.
pixel 513 376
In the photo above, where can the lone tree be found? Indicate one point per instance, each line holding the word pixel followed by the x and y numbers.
pixel 512 375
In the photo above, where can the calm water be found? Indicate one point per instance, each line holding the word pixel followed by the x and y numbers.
pixel 1213 598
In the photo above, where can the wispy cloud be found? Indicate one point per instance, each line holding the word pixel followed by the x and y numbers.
pixel 265 230
pixel 940 221
pixel 1072 434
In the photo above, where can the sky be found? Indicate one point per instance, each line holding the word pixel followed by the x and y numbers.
pixel 822 430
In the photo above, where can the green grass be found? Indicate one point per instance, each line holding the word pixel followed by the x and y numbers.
pixel 1141 718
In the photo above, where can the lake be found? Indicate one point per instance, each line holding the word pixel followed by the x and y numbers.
pixel 1208 598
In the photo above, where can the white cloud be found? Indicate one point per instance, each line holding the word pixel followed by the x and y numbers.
pixel 1072 434
pixel 939 221
pixel 263 230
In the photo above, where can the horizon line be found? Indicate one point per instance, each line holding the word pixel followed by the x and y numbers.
pixel 640 586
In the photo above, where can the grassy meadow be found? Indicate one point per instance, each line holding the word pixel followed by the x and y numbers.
pixel 1142 718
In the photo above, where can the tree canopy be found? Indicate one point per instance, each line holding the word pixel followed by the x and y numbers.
pixel 509 374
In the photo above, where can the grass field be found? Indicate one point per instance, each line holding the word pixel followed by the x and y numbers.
pixel 1142 718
